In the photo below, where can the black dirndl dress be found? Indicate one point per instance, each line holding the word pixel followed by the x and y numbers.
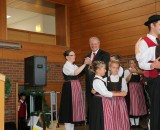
pixel 72 104
pixel 109 113
pixel 135 98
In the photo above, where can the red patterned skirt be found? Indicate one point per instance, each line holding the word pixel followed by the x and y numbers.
pixel 109 114
pixel 137 100
pixel 72 103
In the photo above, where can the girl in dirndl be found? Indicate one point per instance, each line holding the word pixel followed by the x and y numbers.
pixel 135 98
pixel 72 104
pixel 109 111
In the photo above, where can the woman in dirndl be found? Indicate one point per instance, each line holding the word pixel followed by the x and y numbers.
pixel 135 98
pixel 72 104
pixel 109 110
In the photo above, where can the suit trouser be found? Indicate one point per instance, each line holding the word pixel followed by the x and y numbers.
pixel 155 105
pixel 22 125
pixel 89 100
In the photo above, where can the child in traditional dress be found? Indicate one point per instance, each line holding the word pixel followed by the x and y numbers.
pixel 109 111
pixel 135 98
pixel 117 58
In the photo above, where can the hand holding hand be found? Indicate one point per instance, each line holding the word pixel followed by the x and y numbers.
pixel 87 60
pixel 133 70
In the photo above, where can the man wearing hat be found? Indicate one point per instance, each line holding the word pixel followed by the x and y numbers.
pixel 147 55
pixel 22 112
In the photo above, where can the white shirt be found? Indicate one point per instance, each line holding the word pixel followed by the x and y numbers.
pixel 100 87
pixel 69 68
pixel 115 78
pixel 120 72
pixel 127 72
pixel 146 53
pixel 92 55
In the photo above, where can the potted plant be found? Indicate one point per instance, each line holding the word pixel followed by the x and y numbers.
pixel 8 87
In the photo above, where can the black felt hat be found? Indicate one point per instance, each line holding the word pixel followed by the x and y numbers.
pixel 152 19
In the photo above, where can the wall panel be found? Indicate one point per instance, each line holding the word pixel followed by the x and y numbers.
pixel 133 22
pixel 100 5
pixel 116 9
pixel 33 44
pixel 158 6
pixel 118 24
pixel 148 9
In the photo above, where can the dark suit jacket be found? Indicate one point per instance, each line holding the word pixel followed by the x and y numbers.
pixel 100 56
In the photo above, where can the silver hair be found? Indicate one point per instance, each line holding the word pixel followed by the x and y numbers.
pixel 94 38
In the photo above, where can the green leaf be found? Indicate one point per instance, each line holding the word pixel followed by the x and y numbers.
pixel 8 87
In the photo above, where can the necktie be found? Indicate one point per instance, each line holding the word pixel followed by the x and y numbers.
pixel 94 55
pixel 158 41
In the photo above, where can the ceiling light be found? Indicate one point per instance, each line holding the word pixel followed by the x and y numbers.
pixel 8 16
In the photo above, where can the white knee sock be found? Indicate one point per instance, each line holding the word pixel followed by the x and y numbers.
pixel 137 121
pixel 72 126
pixel 68 126
pixel 149 124
pixel 132 121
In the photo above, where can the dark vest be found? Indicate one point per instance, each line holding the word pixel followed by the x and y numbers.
pixel 22 110
pixel 135 78
pixel 114 86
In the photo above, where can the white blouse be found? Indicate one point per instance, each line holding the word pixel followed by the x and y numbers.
pixel 69 68
pixel 100 87
pixel 146 53
pixel 127 72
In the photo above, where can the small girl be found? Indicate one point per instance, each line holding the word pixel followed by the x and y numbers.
pixel 135 98
pixel 117 58
pixel 109 111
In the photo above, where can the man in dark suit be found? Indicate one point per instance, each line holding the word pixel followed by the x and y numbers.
pixel 96 54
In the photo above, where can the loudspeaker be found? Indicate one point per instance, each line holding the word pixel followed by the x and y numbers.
pixel 35 71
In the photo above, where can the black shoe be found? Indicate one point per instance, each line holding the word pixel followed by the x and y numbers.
pixel 139 127
pixel 145 129
pixel 133 126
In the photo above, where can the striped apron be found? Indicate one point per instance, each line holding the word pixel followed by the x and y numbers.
pixel 77 101
pixel 137 99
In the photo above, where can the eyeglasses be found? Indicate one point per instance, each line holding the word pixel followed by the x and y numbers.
pixel 71 55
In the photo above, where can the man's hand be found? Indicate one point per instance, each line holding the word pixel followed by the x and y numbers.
pixel 156 64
